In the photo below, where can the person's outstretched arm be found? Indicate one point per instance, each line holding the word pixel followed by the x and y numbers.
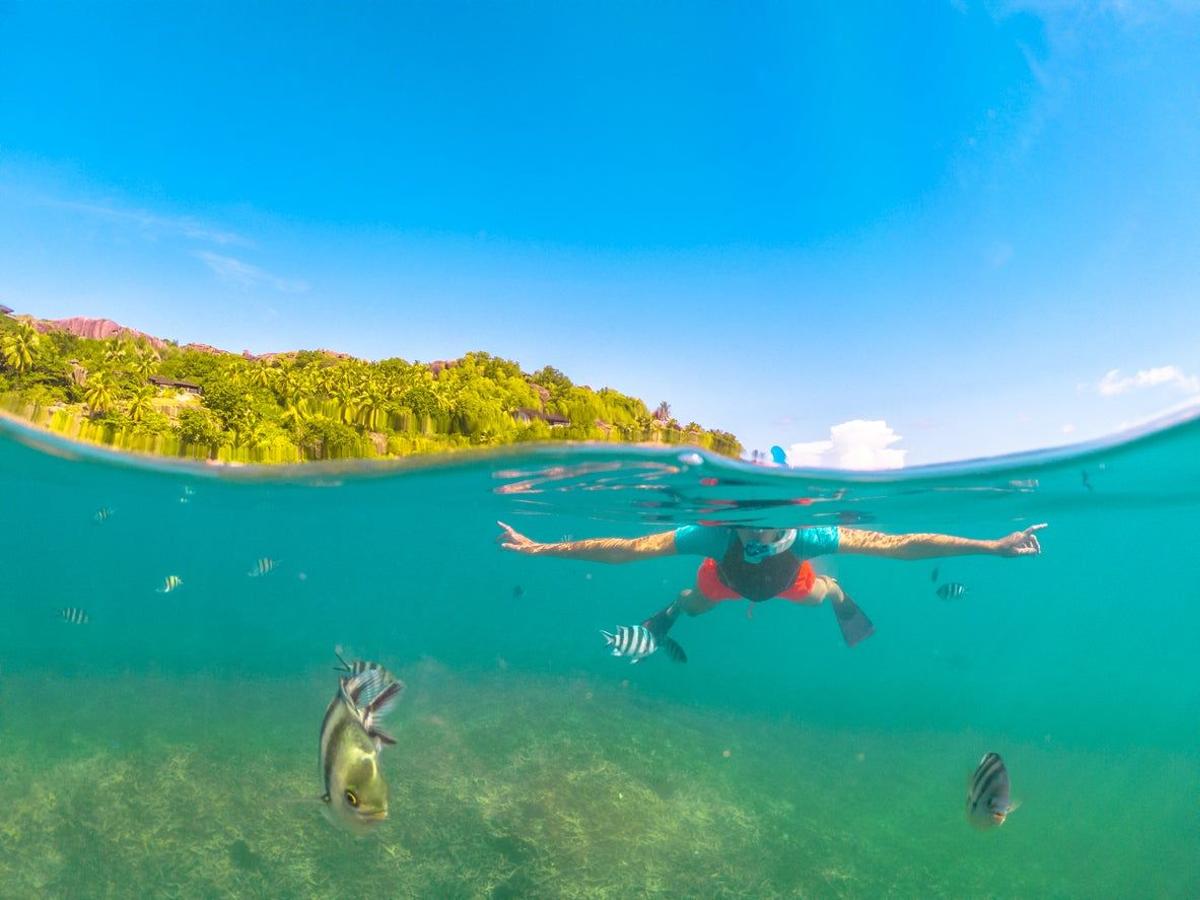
pixel 608 550
pixel 929 546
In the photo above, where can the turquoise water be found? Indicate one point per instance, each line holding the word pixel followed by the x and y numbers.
pixel 168 746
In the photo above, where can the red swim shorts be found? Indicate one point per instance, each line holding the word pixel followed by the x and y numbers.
pixel 708 580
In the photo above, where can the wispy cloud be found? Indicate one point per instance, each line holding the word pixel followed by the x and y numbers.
pixel 243 274
pixel 155 224
pixel 857 444
pixel 999 253
pixel 1114 383
pixel 1073 15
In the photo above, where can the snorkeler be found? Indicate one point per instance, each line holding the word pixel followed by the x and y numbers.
pixel 758 564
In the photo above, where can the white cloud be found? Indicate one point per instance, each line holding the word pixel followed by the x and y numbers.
pixel 1113 383
pixel 1068 428
pixel 857 444
pixel 243 274
pixel 153 224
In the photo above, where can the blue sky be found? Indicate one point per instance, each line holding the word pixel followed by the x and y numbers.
pixel 953 218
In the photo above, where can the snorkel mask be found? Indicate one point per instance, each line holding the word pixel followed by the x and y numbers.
pixel 754 551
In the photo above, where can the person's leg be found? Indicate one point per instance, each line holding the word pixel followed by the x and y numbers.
pixel 824 587
pixel 811 589
pixel 708 592
pixel 689 601
pixel 693 602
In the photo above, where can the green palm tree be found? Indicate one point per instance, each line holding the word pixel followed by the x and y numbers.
pixel 343 394
pixel 251 434
pixel 287 386
pixel 144 362
pixel 372 403
pixel 261 375
pixel 327 379
pixel 295 413
pixel 20 347
pixel 118 354
pixel 98 393
pixel 142 404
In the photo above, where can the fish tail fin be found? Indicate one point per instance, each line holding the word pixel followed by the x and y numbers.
pixel 673 649
pixel 608 638
pixel 345 666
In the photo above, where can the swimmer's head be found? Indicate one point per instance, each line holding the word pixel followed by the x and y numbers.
pixel 760 543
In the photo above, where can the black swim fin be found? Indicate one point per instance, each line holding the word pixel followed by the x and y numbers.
pixel 855 625
pixel 660 623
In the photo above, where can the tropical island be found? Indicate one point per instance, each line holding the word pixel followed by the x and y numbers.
pixel 97 381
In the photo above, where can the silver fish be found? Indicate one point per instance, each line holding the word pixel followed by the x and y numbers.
pixel 951 590
pixel 356 794
pixel 103 514
pixel 988 800
pixel 264 566
pixel 74 615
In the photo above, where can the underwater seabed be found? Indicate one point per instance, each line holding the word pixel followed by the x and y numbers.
pixel 513 787
pixel 168 746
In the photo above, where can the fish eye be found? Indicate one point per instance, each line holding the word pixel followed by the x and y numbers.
pixel 352 798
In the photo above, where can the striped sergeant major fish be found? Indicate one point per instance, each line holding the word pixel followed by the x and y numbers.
pixel 74 615
pixel 952 590
pixel 637 642
pixel 103 514
pixel 356 794
pixel 264 566
pixel 988 800
pixel 170 583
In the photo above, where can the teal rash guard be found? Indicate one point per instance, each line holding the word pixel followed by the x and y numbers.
pixel 713 542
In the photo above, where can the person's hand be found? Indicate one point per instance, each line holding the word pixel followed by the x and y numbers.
pixel 513 540
pixel 1021 543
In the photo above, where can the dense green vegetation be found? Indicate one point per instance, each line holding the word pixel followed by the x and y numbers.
pixel 308 404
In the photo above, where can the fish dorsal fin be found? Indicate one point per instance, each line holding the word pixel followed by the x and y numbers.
pixel 344 691
pixel 379 707
pixel 368 682
pixel 385 701
pixel 359 690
